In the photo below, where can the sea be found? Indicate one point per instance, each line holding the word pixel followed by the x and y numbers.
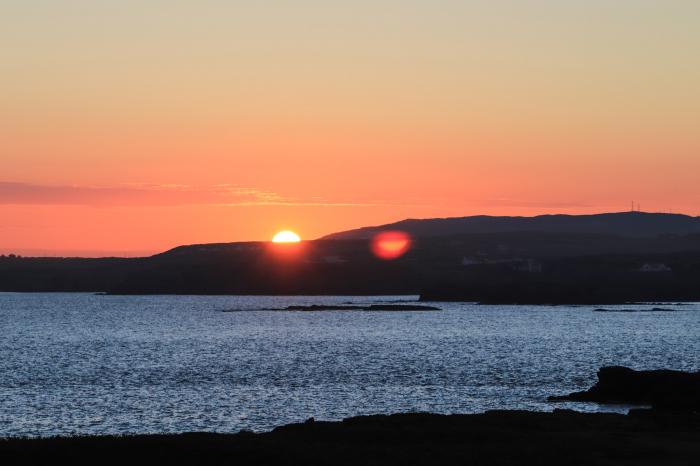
pixel 96 364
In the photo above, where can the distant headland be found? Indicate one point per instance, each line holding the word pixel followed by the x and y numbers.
pixel 633 224
pixel 550 259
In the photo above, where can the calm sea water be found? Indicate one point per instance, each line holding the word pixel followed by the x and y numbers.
pixel 80 363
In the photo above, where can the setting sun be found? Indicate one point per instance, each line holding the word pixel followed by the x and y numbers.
pixel 286 236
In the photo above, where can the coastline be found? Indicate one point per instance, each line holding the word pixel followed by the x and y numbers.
pixel 495 437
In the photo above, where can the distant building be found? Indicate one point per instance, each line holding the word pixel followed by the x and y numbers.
pixel 332 259
pixel 517 264
pixel 467 261
pixel 529 266
pixel 326 259
pixel 503 248
pixel 654 267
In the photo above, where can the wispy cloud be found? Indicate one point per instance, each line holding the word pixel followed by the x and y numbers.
pixel 505 202
pixel 154 195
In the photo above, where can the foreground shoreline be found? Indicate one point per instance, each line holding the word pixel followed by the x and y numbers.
pixel 494 437
pixel 668 434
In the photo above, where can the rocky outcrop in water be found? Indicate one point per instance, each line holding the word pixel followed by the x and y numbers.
pixel 661 389
pixel 351 307
pixel 654 309
pixel 372 307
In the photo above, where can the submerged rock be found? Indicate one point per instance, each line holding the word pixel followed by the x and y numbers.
pixel 653 309
pixel 345 307
pixel 320 307
pixel 373 307
pixel 401 307
pixel 662 389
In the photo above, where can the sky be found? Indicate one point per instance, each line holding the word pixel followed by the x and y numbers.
pixel 129 127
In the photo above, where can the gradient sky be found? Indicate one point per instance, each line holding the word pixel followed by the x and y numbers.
pixel 135 126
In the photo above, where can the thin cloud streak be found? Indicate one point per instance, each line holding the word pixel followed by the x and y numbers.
pixel 157 195
pixel 505 202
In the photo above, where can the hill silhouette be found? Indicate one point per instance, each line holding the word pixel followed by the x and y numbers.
pixel 628 224
pixel 654 261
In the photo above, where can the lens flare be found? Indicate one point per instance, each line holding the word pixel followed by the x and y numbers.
pixel 390 245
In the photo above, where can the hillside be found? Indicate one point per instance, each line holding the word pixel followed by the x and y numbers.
pixel 627 224
pixel 653 262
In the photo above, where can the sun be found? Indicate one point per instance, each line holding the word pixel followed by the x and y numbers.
pixel 286 236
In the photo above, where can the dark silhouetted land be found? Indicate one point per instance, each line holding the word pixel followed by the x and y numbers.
pixel 629 224
pixel 604 259
pixel 668 434
pixel 493 438
pixel 661 389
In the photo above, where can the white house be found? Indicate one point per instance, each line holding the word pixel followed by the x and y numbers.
pixel 654 267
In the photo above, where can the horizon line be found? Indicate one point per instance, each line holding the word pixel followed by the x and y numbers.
pixel 147 252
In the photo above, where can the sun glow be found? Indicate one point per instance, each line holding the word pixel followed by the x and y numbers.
pixel 286 236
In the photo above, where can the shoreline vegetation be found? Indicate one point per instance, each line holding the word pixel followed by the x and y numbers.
pixel 666 434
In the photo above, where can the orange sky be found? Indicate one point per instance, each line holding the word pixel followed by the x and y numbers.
pixel 131 127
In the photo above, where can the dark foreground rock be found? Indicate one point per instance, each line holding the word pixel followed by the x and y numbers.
pixel 662 389
pixel 493 438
